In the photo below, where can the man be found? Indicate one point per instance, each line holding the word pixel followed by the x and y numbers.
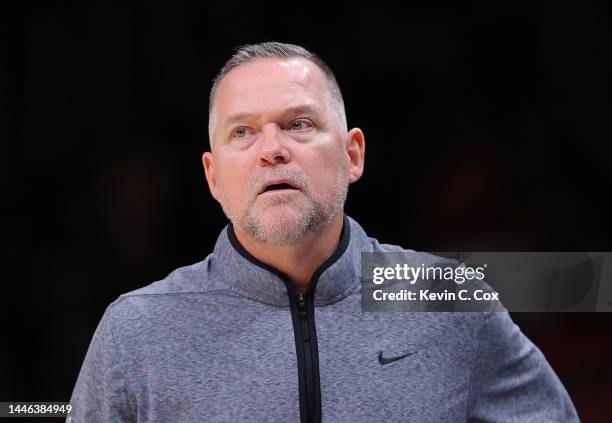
pixel 269 327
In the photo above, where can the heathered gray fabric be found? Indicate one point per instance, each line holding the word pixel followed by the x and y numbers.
pixel 214 342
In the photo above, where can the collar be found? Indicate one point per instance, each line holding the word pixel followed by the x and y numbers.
pixel 332 281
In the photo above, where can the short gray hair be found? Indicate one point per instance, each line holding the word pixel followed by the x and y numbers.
pixel 272 49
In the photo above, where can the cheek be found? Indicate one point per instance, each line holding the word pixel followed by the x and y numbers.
pixel 234 184
pixel 324 171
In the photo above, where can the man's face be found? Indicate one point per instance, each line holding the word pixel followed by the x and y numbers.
pixel 281 162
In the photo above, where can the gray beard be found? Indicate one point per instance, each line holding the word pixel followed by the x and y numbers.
pixel 290 230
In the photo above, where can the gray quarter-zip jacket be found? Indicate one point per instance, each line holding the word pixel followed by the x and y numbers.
pixel 228 340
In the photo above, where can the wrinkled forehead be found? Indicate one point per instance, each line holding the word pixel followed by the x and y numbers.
pixel 269 85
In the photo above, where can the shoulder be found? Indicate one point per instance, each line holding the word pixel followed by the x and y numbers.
pixel 411 257
pixel 184 282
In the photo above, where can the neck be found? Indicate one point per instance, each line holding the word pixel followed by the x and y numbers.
pixel 301 260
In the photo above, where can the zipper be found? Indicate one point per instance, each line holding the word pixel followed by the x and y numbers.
pixel 307 351
pixel 305 338
pixel 305 334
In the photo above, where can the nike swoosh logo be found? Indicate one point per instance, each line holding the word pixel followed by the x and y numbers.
pixel 386 360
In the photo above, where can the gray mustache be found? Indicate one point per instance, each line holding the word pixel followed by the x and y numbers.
pixel 296 178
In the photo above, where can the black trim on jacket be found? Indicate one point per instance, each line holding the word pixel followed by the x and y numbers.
pixel 304 329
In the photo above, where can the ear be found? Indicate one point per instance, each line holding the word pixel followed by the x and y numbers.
pixel 355 148
pixel 211 175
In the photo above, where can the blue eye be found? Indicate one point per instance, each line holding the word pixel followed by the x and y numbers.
pixel 300 124
pixel 240 132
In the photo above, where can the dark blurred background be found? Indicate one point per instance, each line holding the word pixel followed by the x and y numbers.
pixel 487 127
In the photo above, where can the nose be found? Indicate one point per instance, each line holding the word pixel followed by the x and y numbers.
pixel 272 150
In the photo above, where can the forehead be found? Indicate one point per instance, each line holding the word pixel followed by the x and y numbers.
pixel 269 85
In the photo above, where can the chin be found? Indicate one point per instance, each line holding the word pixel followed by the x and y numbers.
pixel 277 218
pixel 279 225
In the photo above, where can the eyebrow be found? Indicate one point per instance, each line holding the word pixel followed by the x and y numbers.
pixel 237 117
pixel 295 110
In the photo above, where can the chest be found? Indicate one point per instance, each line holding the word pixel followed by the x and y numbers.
pixel 243 366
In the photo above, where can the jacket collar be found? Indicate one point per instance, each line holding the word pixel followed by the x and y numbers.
pixel 331 282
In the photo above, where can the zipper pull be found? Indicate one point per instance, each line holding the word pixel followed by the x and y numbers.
pixel 301 304
pixel 303 316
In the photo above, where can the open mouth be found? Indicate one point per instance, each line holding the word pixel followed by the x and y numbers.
pixel 276 187
pixel 281 186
